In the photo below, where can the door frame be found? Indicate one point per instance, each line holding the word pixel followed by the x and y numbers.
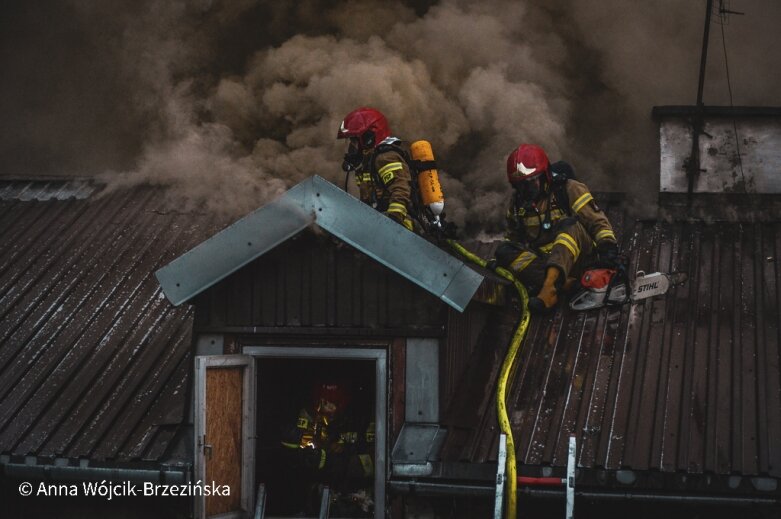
pixel 380 358
pixel 202 363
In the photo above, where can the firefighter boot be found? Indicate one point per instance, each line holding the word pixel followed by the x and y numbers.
pixel 547 298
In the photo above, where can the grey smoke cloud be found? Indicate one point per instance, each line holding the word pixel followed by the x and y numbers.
pixel 230 102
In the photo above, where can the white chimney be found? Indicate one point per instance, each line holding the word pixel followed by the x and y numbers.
pixel 739 148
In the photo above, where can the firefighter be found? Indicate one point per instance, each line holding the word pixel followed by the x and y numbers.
pixel 555 226
pixel 381 170
pixel 328 444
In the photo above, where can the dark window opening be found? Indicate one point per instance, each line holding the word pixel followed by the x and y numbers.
pixel 316 428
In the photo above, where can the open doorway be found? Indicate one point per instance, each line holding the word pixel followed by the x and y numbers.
pixel 320 423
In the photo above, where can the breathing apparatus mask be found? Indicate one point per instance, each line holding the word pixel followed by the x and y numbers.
pixel 357 148
pixel 528 191
pixel 353 157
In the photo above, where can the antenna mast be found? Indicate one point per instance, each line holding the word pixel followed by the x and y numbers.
pixel 693 167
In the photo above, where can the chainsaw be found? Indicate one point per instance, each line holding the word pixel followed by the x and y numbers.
pixel 611 287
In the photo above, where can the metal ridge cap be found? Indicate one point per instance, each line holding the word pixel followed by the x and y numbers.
pixel 237 245
pixel 390 244
pixel 316 200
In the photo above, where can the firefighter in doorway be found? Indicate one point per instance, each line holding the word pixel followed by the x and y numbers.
pixel 331 444
pixel 554 226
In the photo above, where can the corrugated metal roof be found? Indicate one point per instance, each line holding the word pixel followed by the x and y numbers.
pixel 685 383
pixel 46 189
pixel 94 361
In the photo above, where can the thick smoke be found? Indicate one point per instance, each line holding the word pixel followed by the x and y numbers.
pixel 231 102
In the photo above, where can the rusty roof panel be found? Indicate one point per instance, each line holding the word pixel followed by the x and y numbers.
pixel 683 383
pixel 93 358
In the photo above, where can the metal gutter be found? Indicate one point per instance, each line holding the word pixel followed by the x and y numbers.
pixel 321 331
pixel 646 497
pixel 167 475
pixel 426 488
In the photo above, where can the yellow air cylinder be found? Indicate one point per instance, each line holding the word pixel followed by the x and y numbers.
pixel 428 180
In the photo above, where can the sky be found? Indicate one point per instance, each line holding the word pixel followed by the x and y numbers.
pixel 225 104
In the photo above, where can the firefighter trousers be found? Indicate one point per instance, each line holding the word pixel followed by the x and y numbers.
pixel 571 251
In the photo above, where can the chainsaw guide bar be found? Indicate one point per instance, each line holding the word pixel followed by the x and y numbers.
pixel 643 286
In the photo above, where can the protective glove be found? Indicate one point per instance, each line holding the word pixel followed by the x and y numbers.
pixel 608 254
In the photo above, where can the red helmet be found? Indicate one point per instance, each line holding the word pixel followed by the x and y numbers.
pixel 528 161
pixel 368 125
pixel 330 391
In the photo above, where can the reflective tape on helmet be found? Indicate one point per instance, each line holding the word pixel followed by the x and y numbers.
pixel 569 242
pixel 302 423
pixel 606 233
pixel 581 202
pixel 523 260
pixel 386 172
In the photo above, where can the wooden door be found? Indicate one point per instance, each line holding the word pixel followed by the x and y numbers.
pixel 225 434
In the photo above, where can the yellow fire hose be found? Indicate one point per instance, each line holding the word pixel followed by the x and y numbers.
pixel 504 374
